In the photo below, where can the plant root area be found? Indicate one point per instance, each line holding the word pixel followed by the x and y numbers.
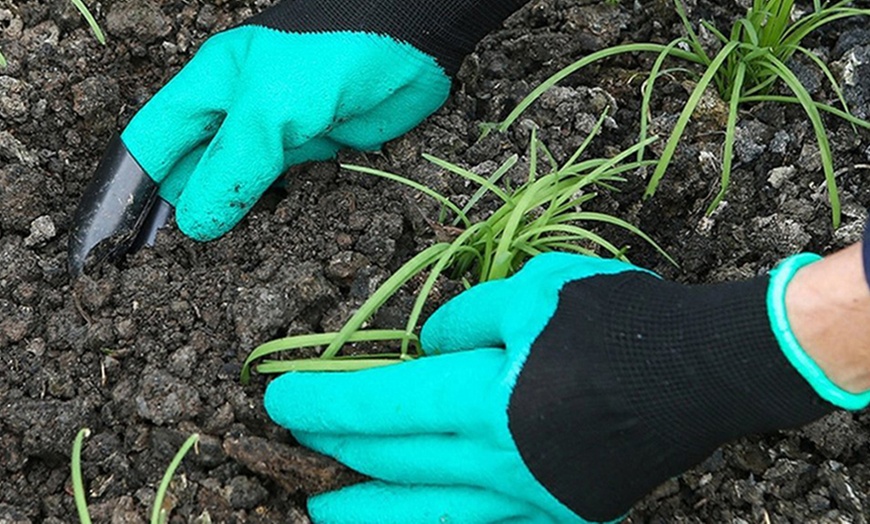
pixel 148 350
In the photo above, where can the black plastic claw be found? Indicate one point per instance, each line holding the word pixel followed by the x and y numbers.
pixel 117 213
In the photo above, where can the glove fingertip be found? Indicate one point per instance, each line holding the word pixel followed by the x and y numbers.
pixel 329 508
pixel 200 224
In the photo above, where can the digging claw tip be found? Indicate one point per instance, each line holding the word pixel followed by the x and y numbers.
pixel 117 212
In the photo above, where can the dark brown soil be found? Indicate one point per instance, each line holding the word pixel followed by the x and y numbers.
pixel 146 352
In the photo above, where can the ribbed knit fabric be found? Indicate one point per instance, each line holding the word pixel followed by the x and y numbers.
pixel 445 29
pixel 636 379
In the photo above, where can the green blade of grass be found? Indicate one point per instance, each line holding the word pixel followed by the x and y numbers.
pixel 694 41
pixel 607 219
pixel 336 364
pixel 820 106
pixel 580 64
pixel 554 166
pixel 588 140
pixel 799 31
pixel 533 155
pixel 647 91
pixel 77 482
pixel 749 29
pixel 773 30
pixel 2 61
pixel 409 270
pixel 444 201
pixel 503 255
pixel 95 27
pixel 683 120
pixel 491 181
pixel 440 265
pixel 576 231
pixel 314 340
pixel 158 514
pixel 730 132
pixel 809 106
pixel 465 173
pixel 828 74
pixel 715 31
pixel 565 246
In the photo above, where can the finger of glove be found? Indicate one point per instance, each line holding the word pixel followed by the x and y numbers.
pixel 441 459
pixel 474 319
pixel 512 311
pixel 385 503
pixel 185 113
pixel 429 395
pixel 241 162
pixel 395 115
pixel 173 185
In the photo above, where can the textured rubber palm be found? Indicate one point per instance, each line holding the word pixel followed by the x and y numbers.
pixel 255 100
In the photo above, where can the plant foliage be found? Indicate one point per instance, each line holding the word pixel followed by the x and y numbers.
pixel 545 213
pixel 751 61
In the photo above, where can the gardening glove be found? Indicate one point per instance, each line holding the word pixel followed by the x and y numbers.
pixel 561 394
pixel 295 83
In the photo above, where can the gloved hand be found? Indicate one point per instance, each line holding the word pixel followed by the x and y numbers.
pixel 561 394
pixel 296 83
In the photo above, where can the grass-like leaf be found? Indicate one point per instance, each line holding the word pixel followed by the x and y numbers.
pixel 159 514
pixel 314 340
pixel 750 63
pixel 827 159
pixel 730 135
pixel 77 482
pixel 86 13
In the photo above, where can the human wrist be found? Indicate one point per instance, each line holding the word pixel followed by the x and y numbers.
pixel 819 312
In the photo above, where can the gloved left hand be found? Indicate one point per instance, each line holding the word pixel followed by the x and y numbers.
pixel 295 83
pixel 561 394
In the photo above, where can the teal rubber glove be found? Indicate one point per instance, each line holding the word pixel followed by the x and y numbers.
pixel 254 101
pixel 561 394
pixel 293 84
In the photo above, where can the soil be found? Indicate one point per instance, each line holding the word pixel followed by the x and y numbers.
pixel 148 351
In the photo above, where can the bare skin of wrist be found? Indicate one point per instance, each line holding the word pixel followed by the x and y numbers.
pixel 828 307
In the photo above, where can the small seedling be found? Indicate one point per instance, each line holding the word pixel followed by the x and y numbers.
pixel 159 513
pixel 92 22
pixel 545 213
pixel 751 61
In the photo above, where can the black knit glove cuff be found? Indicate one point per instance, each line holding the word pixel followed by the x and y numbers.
pixel 636 379
pixel 447 30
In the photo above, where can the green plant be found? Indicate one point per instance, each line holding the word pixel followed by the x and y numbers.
pixel 750 62
pixel 86 13
pixel 542 214
pixel 159 514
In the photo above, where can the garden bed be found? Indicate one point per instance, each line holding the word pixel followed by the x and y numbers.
pixel 149 351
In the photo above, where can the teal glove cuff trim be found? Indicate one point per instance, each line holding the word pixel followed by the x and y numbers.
pixel 802 362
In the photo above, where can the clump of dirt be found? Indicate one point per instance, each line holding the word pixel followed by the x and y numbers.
pixel 146 352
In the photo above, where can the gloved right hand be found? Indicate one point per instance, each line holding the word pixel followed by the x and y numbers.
pixel 561 394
